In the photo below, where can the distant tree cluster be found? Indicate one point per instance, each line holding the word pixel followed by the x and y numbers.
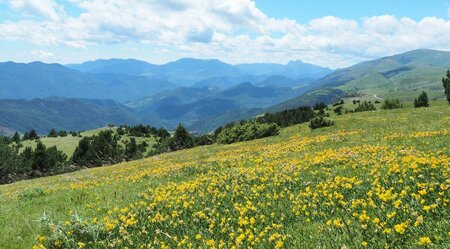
pixel 181 139
pixel 104 149
pixel 446 83
pixel 142 131
pixel 422 101
pixel 29 163
pixel 319 106
pixel 32 135
pixel 319 122
pixel 61 133
pixel 245 131
pixel 287 118
pixel 391 104
pixel 365 106
pixel 341 102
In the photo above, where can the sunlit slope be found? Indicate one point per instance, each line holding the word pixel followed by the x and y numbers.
pixel 375 178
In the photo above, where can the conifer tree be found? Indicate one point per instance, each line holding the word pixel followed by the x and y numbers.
pixel 182 139
pixel 26 136
pixel 39 157
pixel 446 83
pixel 52 133
pixel 33 134
pixel 422 100
pixel 16 137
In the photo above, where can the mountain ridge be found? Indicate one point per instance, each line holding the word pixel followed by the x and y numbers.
pixel 401 76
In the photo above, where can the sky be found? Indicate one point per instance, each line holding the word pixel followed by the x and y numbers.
pixel 329 33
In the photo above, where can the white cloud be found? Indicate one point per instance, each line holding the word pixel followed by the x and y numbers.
pixel 232 30
pixel 38 8
pixel 43 55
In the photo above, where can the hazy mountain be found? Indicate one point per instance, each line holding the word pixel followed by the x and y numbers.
pixel 402 76
pixel 190 105
pixel 187 71
pixel 282 81
pixel 62 113
pixel 172 98
pixel 127 87
pixel 116 66
pixel 226 82
pixel 199 73
pixel 40 80
pixel 294 69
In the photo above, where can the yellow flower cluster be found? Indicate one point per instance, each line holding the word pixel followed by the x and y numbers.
pixel 419 134
pixel 259 196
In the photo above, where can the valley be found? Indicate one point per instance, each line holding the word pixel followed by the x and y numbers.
pixel 218 94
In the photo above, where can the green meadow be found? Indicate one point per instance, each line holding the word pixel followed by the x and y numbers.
pixel 336 187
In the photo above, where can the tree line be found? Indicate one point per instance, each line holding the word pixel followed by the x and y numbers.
pixel 266 125
pixel 104 148
pixel 29 163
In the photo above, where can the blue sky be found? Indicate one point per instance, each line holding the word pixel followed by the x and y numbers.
pixel 303 11
pixel 329 33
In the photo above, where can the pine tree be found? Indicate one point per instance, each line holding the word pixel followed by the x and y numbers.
pixel 422 100
pixel 33 134
pixel 52 133
pixel 39 157
pixel 80 155
pixel 16 137
pixel 62 133
pixel 446 83
pixel 133 151
pixel 26 136
pixel 182 139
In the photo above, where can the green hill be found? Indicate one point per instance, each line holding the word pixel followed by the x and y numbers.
pixel 374 179
pixel 402 76
pixel 69 143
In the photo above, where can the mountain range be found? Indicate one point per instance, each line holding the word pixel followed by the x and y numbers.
pixel 62 113
pixel 196 72
pixel 202 94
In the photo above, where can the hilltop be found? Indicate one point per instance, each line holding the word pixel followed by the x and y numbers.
pixel 359 182
pixel 401 76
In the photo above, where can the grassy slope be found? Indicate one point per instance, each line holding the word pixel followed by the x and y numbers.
pixel 91 193
pixel 69 143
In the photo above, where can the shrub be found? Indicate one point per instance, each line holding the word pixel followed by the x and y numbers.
pixel 391 104
pixel 204 140
pixel 338 110
pixel 245 131
pixel 341 102
pixel 319 122
pixel 422 100
pixel 365 106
